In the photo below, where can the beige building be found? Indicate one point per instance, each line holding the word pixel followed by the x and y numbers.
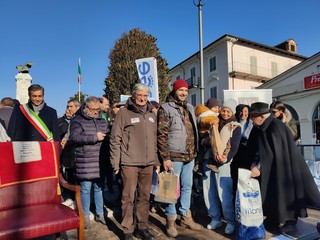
pixel 233 63
pixel 299 89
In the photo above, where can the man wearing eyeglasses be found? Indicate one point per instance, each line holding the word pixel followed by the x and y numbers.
pixel 88 130
pixel 133 151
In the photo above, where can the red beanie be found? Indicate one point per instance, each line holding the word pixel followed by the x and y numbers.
pixel 179 84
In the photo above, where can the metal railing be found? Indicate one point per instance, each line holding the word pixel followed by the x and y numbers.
pixel 311 153
pixel 193 82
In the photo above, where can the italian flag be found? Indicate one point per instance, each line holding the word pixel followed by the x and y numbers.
pixel 79 72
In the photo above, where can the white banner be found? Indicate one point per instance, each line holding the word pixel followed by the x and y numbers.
pixel 249 96
pixel 148 75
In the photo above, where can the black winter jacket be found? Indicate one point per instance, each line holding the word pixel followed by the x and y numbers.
pixel 83 133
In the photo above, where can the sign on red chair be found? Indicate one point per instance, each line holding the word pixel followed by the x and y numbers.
pixel 30 205
pixel 22 162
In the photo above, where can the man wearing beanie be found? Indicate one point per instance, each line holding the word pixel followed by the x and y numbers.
pixel 177 145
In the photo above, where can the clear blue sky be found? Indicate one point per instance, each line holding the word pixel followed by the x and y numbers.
pixel 54 34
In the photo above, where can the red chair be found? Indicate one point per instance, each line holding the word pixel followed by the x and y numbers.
pixel 30 196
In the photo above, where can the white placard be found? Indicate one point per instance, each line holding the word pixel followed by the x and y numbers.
pixel 148 74
pixel 24 152
pixel 249 96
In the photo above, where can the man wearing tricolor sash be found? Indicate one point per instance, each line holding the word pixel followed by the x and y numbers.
pixel 34 121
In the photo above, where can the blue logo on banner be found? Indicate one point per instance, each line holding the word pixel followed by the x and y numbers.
pixel 144 69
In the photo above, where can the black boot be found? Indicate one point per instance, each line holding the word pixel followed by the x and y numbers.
pixel 144 234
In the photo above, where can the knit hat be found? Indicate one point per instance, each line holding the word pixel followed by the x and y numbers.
pixel 179 84
pixel 212 102
pixel 231 104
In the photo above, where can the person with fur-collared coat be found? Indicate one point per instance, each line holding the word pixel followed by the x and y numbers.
pixel 280 111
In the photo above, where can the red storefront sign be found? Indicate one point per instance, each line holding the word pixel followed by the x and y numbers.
pixel 312 81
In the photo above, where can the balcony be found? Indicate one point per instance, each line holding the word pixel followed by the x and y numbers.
pixel 247 72
pixel 193 82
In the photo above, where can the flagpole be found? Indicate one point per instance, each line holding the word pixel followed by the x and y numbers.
pixel 79 91
pixel 79 76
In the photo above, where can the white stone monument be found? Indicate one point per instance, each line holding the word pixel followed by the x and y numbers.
pixel 23 81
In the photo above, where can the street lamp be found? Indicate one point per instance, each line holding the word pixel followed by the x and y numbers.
pixel 199 5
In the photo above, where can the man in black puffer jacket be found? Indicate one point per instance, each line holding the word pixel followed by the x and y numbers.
pixel 87 131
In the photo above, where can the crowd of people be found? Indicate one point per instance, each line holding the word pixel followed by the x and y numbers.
pixel 136 137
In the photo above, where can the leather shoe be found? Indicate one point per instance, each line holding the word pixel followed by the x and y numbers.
pixel 288 227
pixel 100 218
pixel 144 234
pixel 128 236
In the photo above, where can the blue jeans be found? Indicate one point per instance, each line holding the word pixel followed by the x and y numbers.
pixel 185 172
pixel 218 190
pixel 86 196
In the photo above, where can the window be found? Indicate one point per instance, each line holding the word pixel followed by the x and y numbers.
pixel 316 122
pixel 193 72
pixel 274 69
pixel 213 92
pixel 253 65
pixel 194 99
pixel 213 64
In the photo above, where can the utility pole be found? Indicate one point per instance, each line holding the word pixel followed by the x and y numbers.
pixel 199 5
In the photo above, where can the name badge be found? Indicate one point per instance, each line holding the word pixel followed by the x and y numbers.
pixel 151 119
pixel 135 120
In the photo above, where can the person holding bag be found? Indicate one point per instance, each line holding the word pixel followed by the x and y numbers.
pixel 287 186
pixel 218 190
pixel 248 203
pixel 177 145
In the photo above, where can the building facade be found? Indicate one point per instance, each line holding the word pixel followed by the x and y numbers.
pixel 299 89
pixel 233 63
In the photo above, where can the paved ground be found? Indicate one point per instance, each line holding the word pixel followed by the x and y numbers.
pixel 305 230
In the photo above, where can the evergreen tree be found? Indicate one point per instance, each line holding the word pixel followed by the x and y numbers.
pixel 123 74
pixel 83 97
